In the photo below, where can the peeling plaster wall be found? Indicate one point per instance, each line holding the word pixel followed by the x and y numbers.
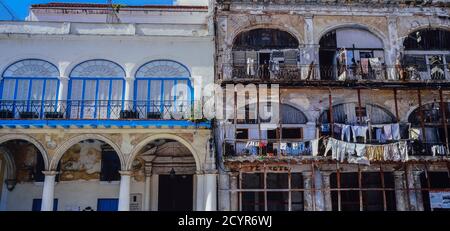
pixel 82 162
pixel 25 156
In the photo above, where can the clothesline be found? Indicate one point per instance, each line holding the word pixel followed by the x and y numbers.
pixel 364 153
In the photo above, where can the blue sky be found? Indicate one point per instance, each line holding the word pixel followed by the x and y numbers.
pixel 19 8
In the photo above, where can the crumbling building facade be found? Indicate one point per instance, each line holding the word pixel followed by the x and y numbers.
pixel 363 99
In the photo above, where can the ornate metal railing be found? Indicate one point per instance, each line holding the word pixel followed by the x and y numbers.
pixel 281 72
pixel 96 109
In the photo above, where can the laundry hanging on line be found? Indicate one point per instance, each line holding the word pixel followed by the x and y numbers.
pixel 363 153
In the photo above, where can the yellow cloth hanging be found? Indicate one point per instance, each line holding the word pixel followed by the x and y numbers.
pixel 375 152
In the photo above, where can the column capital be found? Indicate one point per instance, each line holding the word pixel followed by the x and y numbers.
pixel 234 174
pixel 125 173
pixel 308 16
pixel 50 173
pixel 307 174
pixel 65 78
pixel 398 173
pixel 210 171
pixel 326 174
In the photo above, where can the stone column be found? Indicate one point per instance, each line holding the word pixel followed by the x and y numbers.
pixel 199 192
pixel 307 194
pixel 124 193
pixel 63 88
pixel 418 187
pixel 309 51
pixel 400 194
pixel 129 87
pixel 63 94
pixel 210 188
pixel 224 193
pixel 234 197
pixel 48 193
pixel 326 191
pixel 147 187
pixel 393 47
pixel 154 192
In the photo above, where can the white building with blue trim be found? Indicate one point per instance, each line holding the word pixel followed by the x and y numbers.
pixel 97 108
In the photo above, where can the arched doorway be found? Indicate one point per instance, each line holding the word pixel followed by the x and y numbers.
pixel 166 168
pixel 265 54
pixel 351 54
pixel 21 176
pixel 88 177
pixel 426 55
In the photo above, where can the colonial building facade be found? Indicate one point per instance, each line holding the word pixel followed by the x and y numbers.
pixel 98 108
pixel 101 106
pixel 362 92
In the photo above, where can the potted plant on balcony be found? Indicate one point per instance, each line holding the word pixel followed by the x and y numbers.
pixel 28 115
pixel 156 115
pixel 6 114
pixel 54 115
pixel 128 114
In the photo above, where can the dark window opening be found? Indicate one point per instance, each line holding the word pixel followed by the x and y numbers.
pixel 371 196
pixel 253 181
pixel 264 39
pixel 39 167
pixel 242 134
pixel 292 133
pixel 428 39
pixel 110 165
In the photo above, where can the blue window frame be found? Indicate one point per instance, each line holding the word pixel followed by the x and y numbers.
pixel 108 204
pixel 163 87
pixel 96 89
pixel 30 85
pixel 37 203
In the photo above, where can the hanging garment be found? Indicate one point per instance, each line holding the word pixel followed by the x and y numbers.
pixel 387 131
pixel 341 151
pixel 359 156
pixel 365 66
pixel 375 152
pixel 345 135
pixel 315 147
pixel 359 131
pixel 325 127
pixel 283 146
pixel 337 129
pixel 403 149
pixel 395 128
pixel 250 66
pixel 392 152
pixel 379 135
pixel 329 146
pixel 438 150
pixel 415 133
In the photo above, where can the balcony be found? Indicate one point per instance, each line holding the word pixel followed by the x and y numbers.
pixel 338 2
pixel 267 148
pixel 289 149
pixel 98 112
pixel 314 73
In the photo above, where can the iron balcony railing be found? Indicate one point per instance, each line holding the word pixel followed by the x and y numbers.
pixel 96 109
pixel 284 72
pixel 267 147
pixel 284 148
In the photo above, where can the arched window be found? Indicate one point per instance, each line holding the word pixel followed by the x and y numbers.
pixel 31 86
pixel 292 115
pixel 96 90
pixel 265 53
pixel 348 113
pixel 427 54
pixel 351 54
pixel 162 87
